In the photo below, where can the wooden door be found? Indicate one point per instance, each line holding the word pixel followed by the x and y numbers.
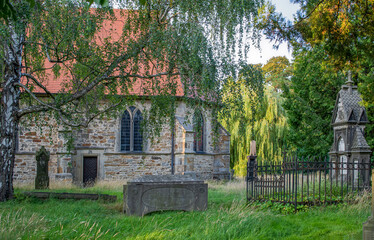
pixel 89 171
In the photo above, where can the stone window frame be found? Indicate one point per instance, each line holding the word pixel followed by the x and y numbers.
pixel 17 143
pixel 203 132
pixel 340 143
pixel 80 162
pixel 132 114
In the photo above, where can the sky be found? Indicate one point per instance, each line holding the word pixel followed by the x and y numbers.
pixel 267 51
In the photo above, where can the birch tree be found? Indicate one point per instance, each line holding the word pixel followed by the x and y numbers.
pixel 159 42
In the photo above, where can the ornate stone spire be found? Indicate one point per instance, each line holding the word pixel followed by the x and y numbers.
pixel 349 83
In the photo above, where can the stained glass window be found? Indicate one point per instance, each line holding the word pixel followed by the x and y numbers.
pixel 199 132
pixel 138 138
pixel 131 135
pixel 125 131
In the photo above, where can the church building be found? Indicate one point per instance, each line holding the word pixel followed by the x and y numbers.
pixel 115 148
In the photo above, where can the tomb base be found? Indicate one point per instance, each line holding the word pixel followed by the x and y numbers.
pixel 368 229
pixel 167 192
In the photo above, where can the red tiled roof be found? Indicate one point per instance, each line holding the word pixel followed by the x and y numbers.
pixel 139 86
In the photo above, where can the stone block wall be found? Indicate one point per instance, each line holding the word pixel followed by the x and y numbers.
pixel 161 144
pixel 25 167
pixel 35 133
pixel 118 166
pixel 102 140
pixel 203 165
pixel 100 133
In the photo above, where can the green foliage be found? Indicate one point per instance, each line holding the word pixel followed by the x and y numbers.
pixel 271 128
pixel 280 208
pixel 366 88
pixel 341 32
pixel 163 50
pixel 7 8
pixel 343 27
pixel 249 113
pixel 240 99
pixel 277 72
pixel 309 102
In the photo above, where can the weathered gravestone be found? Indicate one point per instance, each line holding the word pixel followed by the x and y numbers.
pixel 42 178
pixel 368 226
pixel 167 192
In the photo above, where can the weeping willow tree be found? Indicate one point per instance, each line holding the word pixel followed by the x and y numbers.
pixel 159 42
pixel 251 112
pixel 271 127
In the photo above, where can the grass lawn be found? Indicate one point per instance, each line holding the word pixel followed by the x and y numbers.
pixel 228 217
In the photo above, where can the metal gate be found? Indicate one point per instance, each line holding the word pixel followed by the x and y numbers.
pixel 89 171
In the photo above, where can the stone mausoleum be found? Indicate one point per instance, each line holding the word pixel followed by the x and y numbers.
pixel 348 121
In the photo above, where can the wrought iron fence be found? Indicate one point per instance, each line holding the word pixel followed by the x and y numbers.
pixel 311 181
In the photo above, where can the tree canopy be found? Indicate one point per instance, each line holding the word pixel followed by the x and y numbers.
pixel 174 48
pixel 309 102
pixel 277 72
pixel 343 27
pixel 252 111
pixel 329 38
pixel 7 10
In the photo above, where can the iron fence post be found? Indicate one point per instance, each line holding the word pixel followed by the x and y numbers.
pixel 295 183
pixel 246 182
pixel 251 175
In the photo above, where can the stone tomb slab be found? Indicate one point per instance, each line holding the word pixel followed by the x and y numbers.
pixel 75 196
pixel 167 192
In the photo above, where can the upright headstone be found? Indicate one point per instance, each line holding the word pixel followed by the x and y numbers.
pixel 368 226
pixel 42 178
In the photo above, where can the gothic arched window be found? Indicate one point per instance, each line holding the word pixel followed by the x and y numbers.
pixel 198 123
pixel 341 145
pixel 131 135
pixel 138 138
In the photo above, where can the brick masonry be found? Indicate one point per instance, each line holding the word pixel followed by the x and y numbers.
pixel 102 140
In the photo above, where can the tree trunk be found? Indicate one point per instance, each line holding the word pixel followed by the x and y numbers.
pixel 9 108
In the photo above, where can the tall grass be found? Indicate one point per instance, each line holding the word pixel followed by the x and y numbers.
pixel 103 187
pixel 14 224
pixel 228 217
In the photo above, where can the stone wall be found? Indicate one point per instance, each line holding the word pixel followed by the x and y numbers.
pixel 34 133
pixel 100 133
pixel 102 140
pixel 25 167
pixel 119 166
